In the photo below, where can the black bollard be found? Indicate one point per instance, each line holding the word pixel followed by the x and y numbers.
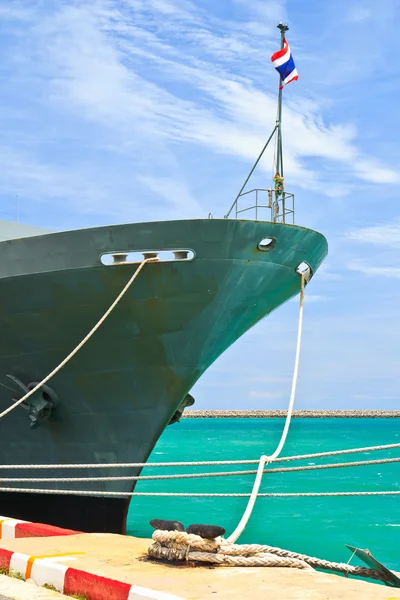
pixel 208 532
pixel 165 525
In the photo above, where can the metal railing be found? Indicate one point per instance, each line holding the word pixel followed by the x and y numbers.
pixel 266 205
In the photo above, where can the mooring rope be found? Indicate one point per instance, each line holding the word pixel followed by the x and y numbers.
pixel 201 463
pixel 179 545
pixel 83 342
pixel 198 494
pixel 363 463
pixel 267 459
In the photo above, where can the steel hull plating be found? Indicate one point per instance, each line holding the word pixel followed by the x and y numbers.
pixel 119 392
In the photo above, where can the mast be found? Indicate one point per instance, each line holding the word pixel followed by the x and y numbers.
pixel 279 160
pixel 283 204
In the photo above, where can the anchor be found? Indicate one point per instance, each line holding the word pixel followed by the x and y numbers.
pixel 40 405
pixel 187 401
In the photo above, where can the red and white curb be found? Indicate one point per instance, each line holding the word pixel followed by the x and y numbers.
pixel 48 570
pixel 16 528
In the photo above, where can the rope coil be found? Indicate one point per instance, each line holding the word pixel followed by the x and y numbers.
pixel 181 546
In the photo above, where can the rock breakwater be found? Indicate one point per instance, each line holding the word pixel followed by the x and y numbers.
pixel 297 414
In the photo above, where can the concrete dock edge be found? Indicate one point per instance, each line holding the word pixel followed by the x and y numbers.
pixel 47 570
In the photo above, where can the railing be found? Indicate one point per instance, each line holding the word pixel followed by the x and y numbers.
pixel 266 204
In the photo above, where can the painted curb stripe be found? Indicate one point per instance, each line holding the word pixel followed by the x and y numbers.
pixel 16 528
pixel 27 529
pixel 5 558
pixel 51 557
pixel 7 527
pixel 74 581
pixel 44 571
pixel 18 563
pixel 100 588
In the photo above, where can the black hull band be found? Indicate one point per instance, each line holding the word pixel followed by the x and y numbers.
pixel 82 513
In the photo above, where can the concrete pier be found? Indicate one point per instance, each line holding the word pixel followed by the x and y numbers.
pixel 123 560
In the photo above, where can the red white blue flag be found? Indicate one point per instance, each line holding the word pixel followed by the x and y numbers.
pixel 284 64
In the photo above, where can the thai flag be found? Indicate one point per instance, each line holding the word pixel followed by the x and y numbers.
pixel 284 64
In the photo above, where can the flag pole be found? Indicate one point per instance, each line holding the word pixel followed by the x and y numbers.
pixel 279 153
pixel 283 29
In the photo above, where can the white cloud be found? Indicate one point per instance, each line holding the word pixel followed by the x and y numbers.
pixel 98 72
pixel 145 80
pixel 174 192
pixel 385 234
pixel 172 9
pixel 375 271
pixel 90 191
pixel 372 170
pixel 268 10
pixel 15 13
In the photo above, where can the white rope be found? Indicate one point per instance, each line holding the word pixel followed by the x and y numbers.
pixel 179 545
pixel 365 449
pixel 83 342
pixel 166 552
pixel 364 463
pixel 199 494
pixel 201 462
pixel 267 459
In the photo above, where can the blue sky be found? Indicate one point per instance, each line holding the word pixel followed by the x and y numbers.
pixel 134 110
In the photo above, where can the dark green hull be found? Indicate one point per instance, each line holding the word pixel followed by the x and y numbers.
pixel 117 395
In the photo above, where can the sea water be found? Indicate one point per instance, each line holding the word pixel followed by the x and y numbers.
pixel 318 526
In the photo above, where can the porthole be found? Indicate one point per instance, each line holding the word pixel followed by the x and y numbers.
pixel 266 244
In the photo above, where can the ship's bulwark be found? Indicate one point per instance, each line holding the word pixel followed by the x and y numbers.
pixel 119 392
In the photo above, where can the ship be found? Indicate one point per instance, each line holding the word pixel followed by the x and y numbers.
pixel 212 280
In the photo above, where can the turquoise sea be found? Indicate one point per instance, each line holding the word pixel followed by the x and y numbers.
pixel 316 526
